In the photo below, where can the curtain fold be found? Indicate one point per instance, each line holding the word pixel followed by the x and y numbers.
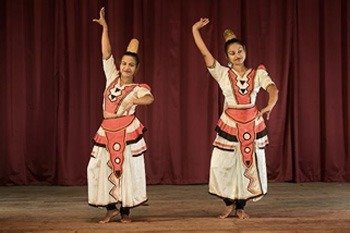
pixel 51 84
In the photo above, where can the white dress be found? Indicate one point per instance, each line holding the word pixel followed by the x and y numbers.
pixel 238 167
pixel 103 186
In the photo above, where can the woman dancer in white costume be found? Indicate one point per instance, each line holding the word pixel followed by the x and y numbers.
pixel 238 167
pixel 116 170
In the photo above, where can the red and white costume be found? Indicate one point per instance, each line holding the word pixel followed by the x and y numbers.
pixel 238 167
pixel 119 146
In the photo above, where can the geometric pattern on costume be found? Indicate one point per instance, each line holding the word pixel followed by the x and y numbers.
pixel 104 187
pixel 245 130
pixel 245 123
pixel 114 96
pixel 245 120
pixel 233 173
pixel 115 130
pixel 115 138
pixel 242 87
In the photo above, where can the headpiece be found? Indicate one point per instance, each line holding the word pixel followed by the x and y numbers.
pixel 229 35
pixel 133 46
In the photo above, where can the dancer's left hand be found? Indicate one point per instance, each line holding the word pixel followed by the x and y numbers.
pixel 128 105
pixel 267 110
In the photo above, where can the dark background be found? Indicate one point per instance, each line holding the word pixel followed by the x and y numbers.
pixel 52 81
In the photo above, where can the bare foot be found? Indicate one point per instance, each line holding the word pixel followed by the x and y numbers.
pixel 226 212
pixel 109 215
pixel 241 214
pixel 125 218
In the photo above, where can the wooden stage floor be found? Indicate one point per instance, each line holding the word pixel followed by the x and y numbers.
pixel 288 207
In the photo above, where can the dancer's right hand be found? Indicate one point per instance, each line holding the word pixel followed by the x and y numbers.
pixel 201 23
pixel 101 20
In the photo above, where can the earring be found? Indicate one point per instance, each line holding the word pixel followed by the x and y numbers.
pixel 229 65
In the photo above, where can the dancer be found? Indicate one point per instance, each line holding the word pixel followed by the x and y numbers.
pixel 238 167
pixel 116 171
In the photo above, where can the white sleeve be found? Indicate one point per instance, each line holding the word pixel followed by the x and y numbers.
pixel 264 78
pixel 217 71
pixel 109 68
pixel 143 90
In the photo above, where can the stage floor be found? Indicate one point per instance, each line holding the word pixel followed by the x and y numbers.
pixel 288 207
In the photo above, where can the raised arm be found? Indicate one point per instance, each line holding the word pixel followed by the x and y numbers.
pixel 208 58
pixel 105 44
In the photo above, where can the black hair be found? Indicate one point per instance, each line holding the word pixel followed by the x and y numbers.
pixel 134 55
pixel 233 41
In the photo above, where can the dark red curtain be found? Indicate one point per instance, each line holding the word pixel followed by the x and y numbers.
pixel 52 81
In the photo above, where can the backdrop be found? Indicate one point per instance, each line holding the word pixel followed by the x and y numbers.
pixel 52 83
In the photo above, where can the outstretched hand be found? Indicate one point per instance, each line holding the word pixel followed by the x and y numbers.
pixel 201 23
pixel 101 20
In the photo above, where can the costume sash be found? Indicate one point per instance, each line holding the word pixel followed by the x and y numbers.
pixel 115 130
pixel 245 119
